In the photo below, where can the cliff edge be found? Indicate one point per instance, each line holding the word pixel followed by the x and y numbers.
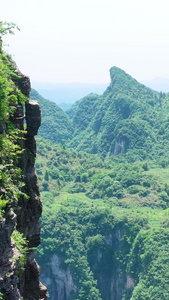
pixel 20 204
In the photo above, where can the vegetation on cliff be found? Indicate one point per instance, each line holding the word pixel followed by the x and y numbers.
pixel 109 245
pixel 10 98
pixel 20 205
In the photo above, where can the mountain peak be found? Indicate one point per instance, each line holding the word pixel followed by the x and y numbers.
pixel 118 74
pixel 120 79
pixel 116 69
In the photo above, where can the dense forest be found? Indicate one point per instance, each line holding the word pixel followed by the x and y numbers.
pixel 128 118
pixel 104 184
pixel 104 220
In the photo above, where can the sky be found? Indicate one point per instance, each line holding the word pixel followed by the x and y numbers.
pixel 78 41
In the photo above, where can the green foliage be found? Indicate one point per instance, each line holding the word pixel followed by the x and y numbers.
pixel 46 177
pixel 11 181
pixel 65 234
pixel 129 121
pixel 119 121
pixel 21 245
pixel 3 204
pixel 56 125
pixel 94 212
pixel 78 235
pixel 84 177
pixel 149 264
pixel 63 170
pixel 105 217
pixel 11 178
pixel 6 27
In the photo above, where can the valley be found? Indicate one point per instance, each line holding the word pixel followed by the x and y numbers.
pixel 105 192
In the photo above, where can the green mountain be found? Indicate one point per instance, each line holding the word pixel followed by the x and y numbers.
pixel 121 120
pixel 56 125
pixel 105 220
pixel 128 118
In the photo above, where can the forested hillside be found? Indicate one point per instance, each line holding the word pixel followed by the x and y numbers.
pixel 66 172
pixel 105 220
pixel 128 118
pixel 118 121
pixel 105 225
pixel 56 125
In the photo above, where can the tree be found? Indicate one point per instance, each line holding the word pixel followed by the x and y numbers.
pixel 46 176
pixel 6 27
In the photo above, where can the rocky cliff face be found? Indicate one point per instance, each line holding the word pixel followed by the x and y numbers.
pixel 58 280
pixel 16 282
pixel 112 278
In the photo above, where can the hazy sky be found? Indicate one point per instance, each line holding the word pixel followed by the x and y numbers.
pixel 80 40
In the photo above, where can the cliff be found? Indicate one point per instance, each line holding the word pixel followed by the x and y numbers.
pixel 20 204
pixel 91 261
pixel 112 280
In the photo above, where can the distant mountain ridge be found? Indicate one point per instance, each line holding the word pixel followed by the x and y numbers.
pixel 67 93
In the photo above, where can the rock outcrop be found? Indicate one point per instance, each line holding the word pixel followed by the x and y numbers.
pixel 59 281
pixel 17 283
pixel 112 278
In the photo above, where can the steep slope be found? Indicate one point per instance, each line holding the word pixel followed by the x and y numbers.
pixel 123 118
pixel 91 252
pixel 20 204
pixel 56 125
pixel 127 118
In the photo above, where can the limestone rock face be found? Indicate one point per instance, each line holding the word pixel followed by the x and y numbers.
pixel 8 266
pixel 58 281
pixel 14 283
pixel 111 283
pixel 120 146
pixel 112 280
pixel 23 83
pixel 33 117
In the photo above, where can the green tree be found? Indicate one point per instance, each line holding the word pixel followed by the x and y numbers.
pixel 7 27
pixel 46 177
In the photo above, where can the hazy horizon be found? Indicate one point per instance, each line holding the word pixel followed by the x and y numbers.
pixel 79 41
pixel 71 92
